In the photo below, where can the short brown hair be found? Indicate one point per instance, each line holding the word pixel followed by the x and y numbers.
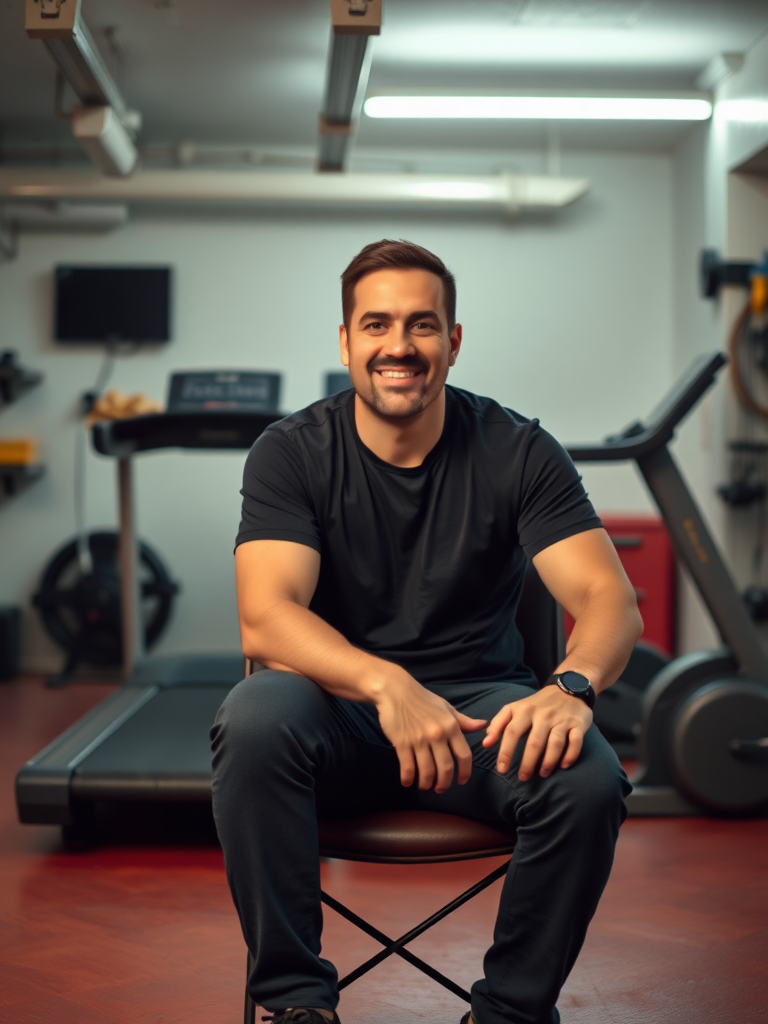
pixel 390 255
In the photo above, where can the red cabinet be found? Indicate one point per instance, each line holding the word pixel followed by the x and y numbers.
pixel 645 550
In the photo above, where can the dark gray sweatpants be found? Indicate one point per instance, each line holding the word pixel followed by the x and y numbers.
pixel 285 752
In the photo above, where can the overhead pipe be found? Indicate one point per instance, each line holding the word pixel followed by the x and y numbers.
pixel 505 193
pixel 64 216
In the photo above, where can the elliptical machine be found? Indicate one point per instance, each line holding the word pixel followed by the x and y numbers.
pixel 703 745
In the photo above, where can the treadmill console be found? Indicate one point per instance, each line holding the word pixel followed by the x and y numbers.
pixel 224 391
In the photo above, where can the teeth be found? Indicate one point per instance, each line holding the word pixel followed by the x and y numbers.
pixel 398 373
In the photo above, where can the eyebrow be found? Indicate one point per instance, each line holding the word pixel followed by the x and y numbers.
pixel 419 314
pixel 373 315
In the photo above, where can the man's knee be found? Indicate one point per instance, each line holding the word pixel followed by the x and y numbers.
pixel 595 788
pixel 259 713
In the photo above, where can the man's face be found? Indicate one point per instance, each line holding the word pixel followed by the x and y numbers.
pixel 398 347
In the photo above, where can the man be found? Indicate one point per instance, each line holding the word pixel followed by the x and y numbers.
pixel 380 558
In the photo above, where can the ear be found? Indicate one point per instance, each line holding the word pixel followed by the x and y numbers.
pixel 344 345
pixel 455 343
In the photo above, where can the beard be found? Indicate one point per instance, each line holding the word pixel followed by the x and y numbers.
pixel 391 404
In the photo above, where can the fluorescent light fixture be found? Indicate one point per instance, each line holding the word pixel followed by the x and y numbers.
pixel 353 21
pixel 750 111
pixel 101 134
pixel 103 126
pixel 559 108
pixel 59 24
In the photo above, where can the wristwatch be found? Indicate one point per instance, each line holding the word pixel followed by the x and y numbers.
pixel 576 684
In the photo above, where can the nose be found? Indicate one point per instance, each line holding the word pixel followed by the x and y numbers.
pixel 398 342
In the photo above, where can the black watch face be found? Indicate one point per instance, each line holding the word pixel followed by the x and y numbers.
pixel 575 682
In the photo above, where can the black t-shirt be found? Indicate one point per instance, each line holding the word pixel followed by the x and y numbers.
pixel 422 566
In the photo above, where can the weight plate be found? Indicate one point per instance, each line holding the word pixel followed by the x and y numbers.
pixel 82 611
pixel 706 767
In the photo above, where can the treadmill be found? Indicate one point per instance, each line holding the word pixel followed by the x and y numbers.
pixel 148 741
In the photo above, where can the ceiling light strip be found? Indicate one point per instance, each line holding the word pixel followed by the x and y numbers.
pixel 560 108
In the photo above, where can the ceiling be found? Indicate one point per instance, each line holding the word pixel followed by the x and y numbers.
pixel 251 72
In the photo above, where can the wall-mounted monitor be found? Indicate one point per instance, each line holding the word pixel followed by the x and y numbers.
pixel 109 304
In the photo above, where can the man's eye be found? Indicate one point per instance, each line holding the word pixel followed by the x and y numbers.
pixel 424 325
pixel 375 324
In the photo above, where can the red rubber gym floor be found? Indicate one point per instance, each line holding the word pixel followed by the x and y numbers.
pixel 143 931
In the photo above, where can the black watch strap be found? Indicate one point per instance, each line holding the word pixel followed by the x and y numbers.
pixel 575 684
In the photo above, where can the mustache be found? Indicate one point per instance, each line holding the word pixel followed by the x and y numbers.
pixel 388 363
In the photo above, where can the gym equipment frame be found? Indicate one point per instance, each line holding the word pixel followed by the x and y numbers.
pixel 704 730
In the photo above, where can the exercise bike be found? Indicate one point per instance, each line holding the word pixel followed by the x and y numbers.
pixel 703 743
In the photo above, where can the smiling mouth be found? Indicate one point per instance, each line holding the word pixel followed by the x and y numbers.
pixel 398 374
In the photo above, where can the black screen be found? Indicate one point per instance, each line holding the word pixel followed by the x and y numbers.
pixel 113 304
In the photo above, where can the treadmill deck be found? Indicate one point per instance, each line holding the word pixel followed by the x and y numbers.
pixel 148 741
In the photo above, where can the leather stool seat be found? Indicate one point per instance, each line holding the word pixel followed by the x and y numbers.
pixel 412 837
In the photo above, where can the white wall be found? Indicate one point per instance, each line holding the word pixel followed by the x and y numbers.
pixel 568 318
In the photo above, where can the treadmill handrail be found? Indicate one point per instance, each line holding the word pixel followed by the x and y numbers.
pixel 659 429
pixel 198 430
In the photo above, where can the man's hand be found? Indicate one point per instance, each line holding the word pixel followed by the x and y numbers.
pixel 427 734
pixel 555 723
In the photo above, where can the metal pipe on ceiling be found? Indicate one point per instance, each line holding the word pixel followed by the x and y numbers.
pixel 353 21
pixel 63 216
pixel 503 193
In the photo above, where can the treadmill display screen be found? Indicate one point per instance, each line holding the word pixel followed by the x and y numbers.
pixel 224 391
pixel 112 304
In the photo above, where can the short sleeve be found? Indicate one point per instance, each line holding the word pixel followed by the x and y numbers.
pixel 553 502
pixel 276 500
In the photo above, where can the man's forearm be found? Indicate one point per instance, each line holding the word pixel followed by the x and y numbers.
pixel 602 639
pixel 289 636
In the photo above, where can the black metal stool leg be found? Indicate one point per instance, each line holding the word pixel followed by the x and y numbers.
pixel 385 940
pixel 393 945
pixel 249 1016
pixel 396 946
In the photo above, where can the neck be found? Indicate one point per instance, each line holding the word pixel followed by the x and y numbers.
pixel 401 442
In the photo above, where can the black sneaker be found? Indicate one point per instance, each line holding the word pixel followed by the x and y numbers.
pixel 301 1015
